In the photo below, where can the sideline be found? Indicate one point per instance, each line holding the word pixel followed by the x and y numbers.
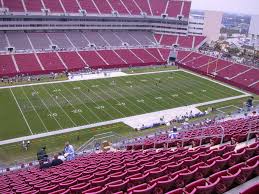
pixel 89 77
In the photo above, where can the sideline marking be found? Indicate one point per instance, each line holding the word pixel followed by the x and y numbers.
pixel 21 111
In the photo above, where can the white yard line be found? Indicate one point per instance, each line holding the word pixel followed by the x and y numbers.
pixel 144 96
pixel 169 94
pixel 218 82
pixel 106 122
pixel 105 101
pixel 21 111
pixel 59 106
pixel 71 104
pixel 96 94
pixel 35 110
pixel 199 83
pixel 44 104
pixel 121 97
pixel 83 103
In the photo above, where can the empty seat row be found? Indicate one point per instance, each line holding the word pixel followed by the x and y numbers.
pixel 141 172
pixel 46 62
pixel 182 41
pixel 171 8
pixel 21 41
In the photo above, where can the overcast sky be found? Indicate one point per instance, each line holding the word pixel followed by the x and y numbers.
pixel 235 6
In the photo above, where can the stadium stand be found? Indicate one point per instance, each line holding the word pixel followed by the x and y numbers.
pixel 7 66
pixel 3 42
pixel 89 6
pixel 113 59
pixel 239 75
pixel 51 62
pixel 132 7
pixel 103 6
pixel 179 170
pixel 18 40
pixel 70 6
pixel 33 5
pixel 39 40
pixel 152 8
pixel 53 6
pixel 181 41
pixel 148 165
pixel 72 60
pixel 234 128
pixel 175 8
pixel 27 63
pixel 119 7
pixel 14 6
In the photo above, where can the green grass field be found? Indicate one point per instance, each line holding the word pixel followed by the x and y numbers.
pixel 43 108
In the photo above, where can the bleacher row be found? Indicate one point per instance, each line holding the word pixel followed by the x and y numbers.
pixel 74 39
pixel 68 40
pixel 47 62
pixel 181 41
pixel 172 8
pixel 180 171
pixel 242 76
pixel 238 129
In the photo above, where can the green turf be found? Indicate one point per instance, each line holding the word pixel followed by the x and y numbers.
pixel 64 105
pixel 14 152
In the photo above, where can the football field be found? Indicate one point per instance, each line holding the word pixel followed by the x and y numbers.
pixel 43 108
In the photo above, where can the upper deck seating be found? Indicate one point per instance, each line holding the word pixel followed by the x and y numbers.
pixel 158 7
pixel 174 8
pixel 71 6
pixel 152 8
pixel 132 7
pixel 33 5
pixel 54 6
pixel 89 6
pixel 119 7
pixel 13 5
pixel 103 6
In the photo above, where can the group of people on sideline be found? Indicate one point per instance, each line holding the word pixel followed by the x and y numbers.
pixel 44 161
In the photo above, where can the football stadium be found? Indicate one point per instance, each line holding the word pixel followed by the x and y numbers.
pixel 127 96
